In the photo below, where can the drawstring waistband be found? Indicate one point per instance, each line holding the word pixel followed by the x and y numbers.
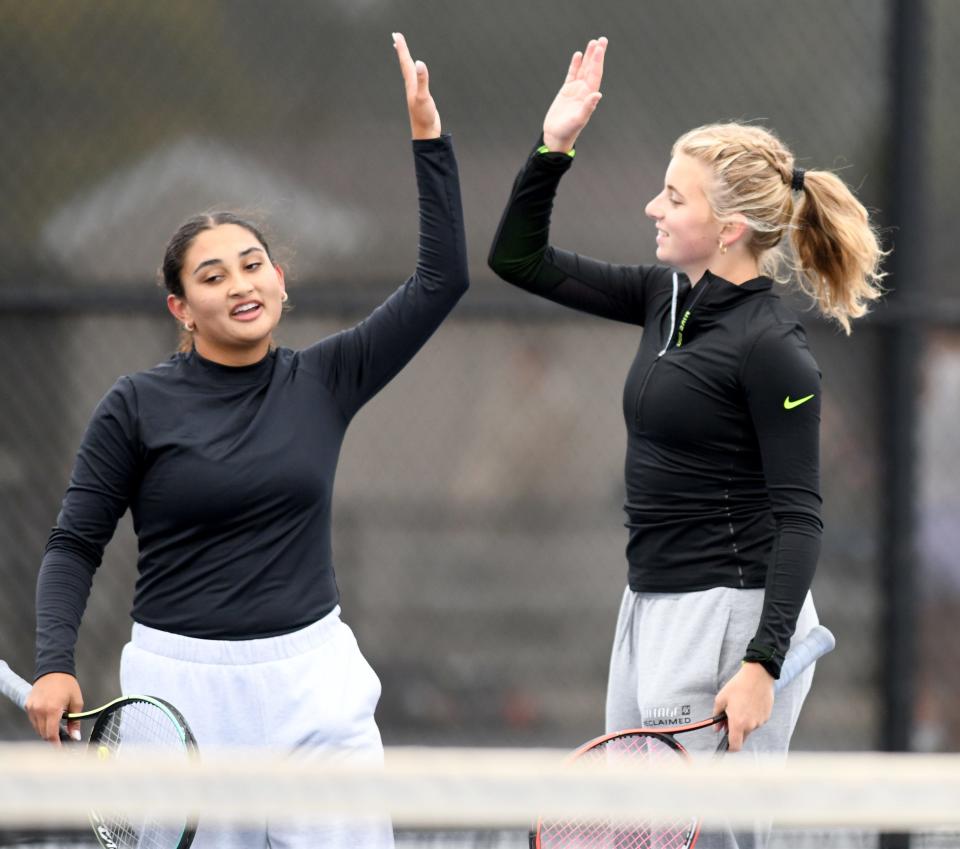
pixel 225 652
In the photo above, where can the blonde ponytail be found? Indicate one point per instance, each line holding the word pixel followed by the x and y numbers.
pixel 836 252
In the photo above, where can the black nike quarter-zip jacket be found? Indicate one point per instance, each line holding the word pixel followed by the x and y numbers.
pixel 722 410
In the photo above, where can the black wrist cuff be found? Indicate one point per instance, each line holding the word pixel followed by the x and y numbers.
pixel 540 151
pixel 769 658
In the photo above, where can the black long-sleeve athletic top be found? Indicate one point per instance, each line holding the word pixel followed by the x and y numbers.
pixel 722 407
pixel 228 472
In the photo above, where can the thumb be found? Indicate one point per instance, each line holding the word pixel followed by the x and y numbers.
pixel 719 704
pixel 423 76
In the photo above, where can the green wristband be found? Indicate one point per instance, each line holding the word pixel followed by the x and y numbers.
pixel 544 149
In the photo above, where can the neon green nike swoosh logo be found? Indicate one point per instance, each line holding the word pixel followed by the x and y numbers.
pixel 789 405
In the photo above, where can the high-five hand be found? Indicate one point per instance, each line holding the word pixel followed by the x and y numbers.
pixel 578 97
pixel 424 118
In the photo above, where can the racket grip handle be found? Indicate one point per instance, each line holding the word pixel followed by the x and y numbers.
pixel 13 686
pixel 17 689
pixel 818 642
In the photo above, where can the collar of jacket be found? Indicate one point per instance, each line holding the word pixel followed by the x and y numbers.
pixel 720 294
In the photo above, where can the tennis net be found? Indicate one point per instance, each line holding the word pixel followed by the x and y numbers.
pixel 469 798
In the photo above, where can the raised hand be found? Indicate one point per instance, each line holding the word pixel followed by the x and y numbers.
pixel 424 118
pixel 578 97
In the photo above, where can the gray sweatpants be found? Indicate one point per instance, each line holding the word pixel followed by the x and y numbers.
pixel 672 653
pixel 309 692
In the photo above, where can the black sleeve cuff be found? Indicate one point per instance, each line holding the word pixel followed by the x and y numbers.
pixel 444 140
pixel 553 157
pixel 769 658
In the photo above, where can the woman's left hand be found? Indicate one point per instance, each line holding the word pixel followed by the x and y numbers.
pixel 424 118
pixel 747 699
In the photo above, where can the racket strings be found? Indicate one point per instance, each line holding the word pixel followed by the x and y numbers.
pixel 137 724
pixel 641 833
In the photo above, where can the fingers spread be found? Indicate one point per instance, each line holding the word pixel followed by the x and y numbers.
pixel 574 67
pixel 593 72
pixel 585 61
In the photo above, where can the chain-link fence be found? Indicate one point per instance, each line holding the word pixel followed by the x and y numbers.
pixel 478 527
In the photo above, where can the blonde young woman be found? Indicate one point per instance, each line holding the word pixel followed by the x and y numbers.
pixel 722 406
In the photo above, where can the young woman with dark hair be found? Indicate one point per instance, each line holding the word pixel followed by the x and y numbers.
pixel 226 456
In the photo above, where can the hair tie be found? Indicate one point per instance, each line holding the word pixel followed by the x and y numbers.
pixel 796 181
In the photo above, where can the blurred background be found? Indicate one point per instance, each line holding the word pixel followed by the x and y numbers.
pixel 478 517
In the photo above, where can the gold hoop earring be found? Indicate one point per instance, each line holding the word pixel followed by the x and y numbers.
pixel 722 246
pixel 284 297
pixel 188 326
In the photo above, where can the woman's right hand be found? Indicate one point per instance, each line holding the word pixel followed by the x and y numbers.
pixel 424 117
pixel 53 695
pixel 578 97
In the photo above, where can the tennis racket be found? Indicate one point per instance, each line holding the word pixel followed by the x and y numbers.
pixel 137 721
pixel 652 746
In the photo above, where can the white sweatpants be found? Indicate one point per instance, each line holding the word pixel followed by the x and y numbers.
pixel 672 653
pixel 308 692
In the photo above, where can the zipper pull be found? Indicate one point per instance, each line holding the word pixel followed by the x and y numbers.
pixel 683 324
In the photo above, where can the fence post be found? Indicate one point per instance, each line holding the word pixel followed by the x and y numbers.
pixel 906 203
